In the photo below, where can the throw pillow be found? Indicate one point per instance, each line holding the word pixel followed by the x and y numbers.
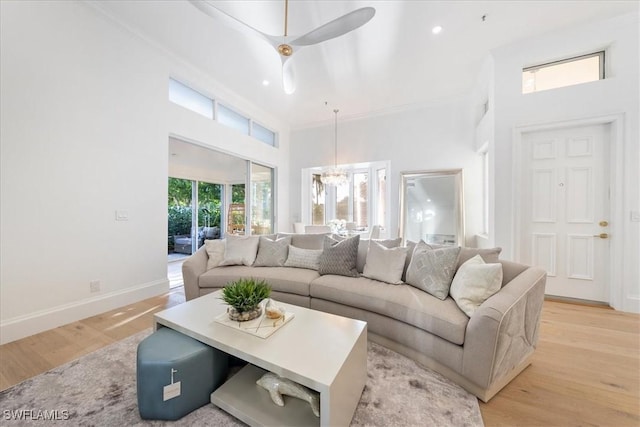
pixel 474 283
pixel 272 253
pixel 215 251
pixel 340 257
pixel 240 250
pixel 385 264
pixel 363 249
pixel 303 258
pixel 432 269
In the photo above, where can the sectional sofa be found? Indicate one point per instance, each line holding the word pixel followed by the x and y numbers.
pixel 481 353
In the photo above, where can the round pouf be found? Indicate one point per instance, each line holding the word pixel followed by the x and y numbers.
pixel 198 368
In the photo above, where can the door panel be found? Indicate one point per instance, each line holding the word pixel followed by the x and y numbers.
pixel 564 199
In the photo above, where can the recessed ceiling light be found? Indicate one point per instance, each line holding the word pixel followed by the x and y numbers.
pixel 436 30
pixel 265 83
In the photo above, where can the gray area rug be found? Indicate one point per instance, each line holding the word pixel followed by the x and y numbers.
pixel 99 389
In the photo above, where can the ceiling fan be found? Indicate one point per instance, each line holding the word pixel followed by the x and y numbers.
pixel 286 45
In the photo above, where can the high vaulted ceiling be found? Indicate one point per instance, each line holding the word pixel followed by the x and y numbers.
pixel 394 61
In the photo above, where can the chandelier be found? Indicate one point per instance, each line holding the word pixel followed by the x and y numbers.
pixel 335 176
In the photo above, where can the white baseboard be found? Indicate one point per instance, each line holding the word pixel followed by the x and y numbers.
pixel 43 320
pixel 632 304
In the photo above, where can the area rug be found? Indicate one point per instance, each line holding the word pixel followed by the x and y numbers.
pixel 99 389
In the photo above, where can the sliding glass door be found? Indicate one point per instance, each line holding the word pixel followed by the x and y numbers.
pixel 188 227
pixel 261 199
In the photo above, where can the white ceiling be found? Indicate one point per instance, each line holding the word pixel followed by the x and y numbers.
pixel 391 62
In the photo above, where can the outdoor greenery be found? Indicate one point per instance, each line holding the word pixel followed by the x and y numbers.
pixel 245 294
pixel 179 207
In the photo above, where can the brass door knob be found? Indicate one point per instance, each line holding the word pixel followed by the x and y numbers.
pixel 603 223
pixel 602 235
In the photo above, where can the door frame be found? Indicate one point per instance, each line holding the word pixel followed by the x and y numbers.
pixel 616 195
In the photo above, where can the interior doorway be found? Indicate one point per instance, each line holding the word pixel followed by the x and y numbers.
pixel 565 208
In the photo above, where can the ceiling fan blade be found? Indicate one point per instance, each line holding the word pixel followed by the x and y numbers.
pixel 288 76
pixel 337 27
pixel 232 22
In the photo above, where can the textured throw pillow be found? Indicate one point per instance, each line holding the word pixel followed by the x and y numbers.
pixel 272 253
pixel 432 269
pixel 240 250
pixel 303 258
pixel 363 249
pixel 215 251
pixel 474 283
pixel 385 264
pixel 339 258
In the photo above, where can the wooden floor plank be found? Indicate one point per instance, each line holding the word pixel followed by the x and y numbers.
pixel 585 371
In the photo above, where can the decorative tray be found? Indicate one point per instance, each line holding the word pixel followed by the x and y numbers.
pixel 261 326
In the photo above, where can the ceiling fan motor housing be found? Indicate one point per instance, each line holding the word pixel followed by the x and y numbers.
pixel 285 50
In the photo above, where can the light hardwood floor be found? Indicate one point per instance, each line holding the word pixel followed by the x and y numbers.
pixel 586 370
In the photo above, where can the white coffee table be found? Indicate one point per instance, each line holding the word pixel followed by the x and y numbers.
pixel 321 351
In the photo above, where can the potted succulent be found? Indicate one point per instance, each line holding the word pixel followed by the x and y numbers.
pixel 244 297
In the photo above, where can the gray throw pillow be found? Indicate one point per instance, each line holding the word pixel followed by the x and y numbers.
pixel 303 258
pixel 272 253
pixel 339 258
pixel 432 270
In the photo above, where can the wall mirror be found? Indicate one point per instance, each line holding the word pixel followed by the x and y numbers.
pixel 431 207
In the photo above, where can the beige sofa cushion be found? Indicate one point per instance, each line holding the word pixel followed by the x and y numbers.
pixel 306 241
pixel 281 279
pixel 400 302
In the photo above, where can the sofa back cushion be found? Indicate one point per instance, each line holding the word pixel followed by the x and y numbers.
pixel 490 256
pixel 305 241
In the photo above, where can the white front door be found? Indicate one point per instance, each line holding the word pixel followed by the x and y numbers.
pixel 564 208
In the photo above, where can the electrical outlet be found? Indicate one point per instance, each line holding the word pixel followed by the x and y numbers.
pixel 635 216
pixel 94 286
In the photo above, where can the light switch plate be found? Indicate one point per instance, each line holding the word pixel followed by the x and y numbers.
pixel 122 216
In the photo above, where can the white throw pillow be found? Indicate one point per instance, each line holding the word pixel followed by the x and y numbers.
pixel 385 264
pixel 240 250
pixel 303 258
pixel 363 250
pixel 474 283
pixel 215 251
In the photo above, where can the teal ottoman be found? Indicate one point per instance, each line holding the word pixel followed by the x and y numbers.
pixel 166 358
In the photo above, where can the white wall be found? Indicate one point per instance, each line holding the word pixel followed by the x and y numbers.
pixel 438 136
pixel 85 123
pixel 617 94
